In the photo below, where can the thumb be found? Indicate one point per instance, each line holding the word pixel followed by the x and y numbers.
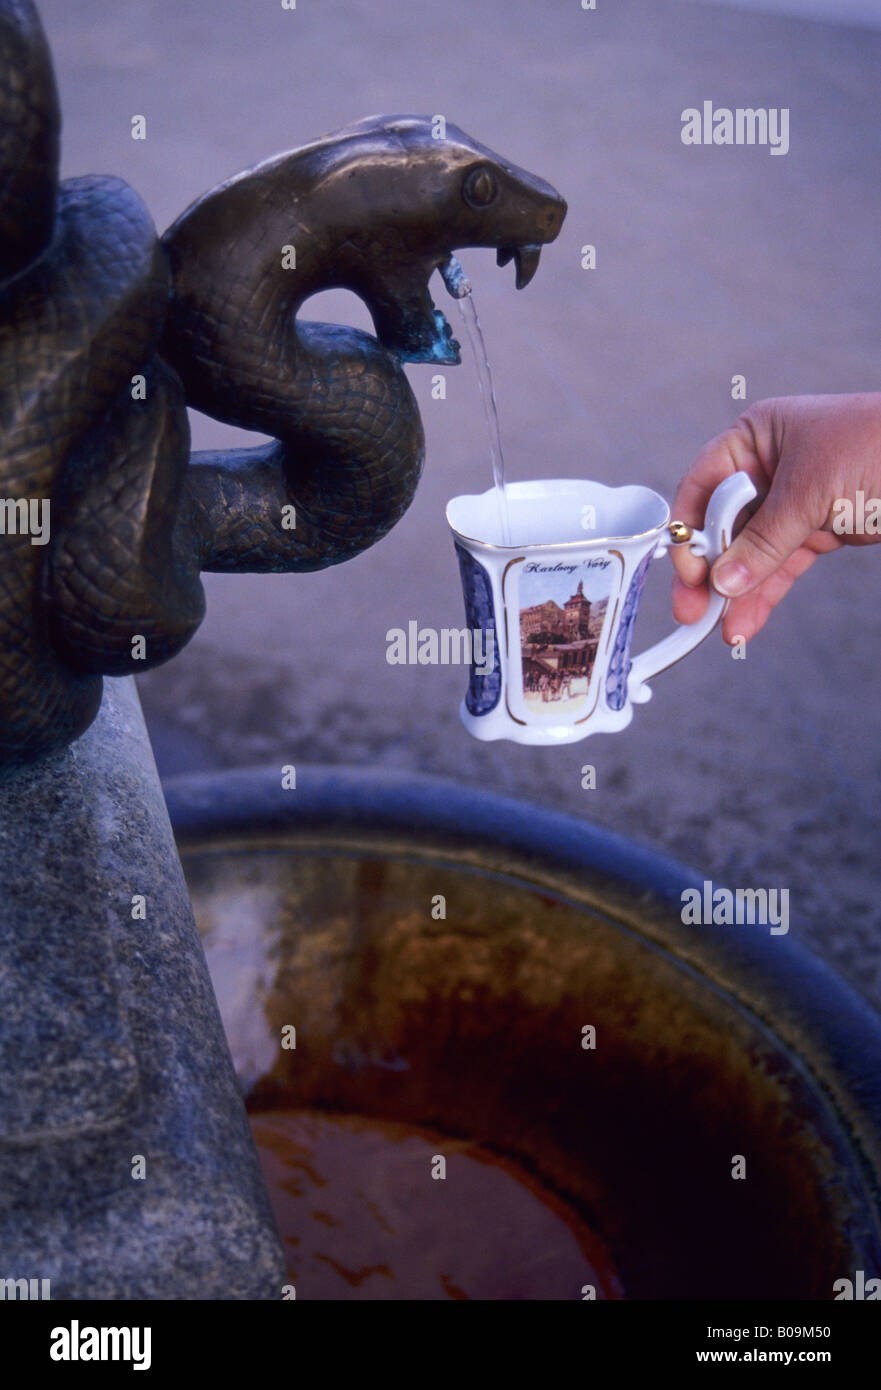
pixel 767 540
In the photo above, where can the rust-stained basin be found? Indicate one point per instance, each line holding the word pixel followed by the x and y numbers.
pixel 440 954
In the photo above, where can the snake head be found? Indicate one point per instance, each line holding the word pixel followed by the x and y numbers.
pixel 424 189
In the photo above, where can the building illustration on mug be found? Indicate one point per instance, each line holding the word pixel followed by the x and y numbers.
pixel 559 638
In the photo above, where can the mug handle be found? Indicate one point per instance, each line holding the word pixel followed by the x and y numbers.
pixel 728 499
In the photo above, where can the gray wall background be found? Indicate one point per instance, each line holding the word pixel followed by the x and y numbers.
pixel 710 262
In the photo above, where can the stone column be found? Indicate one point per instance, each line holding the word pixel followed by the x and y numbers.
pixel 127 1168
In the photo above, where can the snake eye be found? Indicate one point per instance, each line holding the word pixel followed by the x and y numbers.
pixel 479 187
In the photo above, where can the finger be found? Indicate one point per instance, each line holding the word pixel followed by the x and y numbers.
pixel 689 604
pixel 747 616
pixel 690 506
pixel 691 569
pixel 770 537
pixel 730 452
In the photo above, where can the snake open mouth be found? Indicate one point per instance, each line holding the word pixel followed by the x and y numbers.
pixel 525 258
pixel 439 345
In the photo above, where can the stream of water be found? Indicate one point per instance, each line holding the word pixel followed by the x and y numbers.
pixel 460 288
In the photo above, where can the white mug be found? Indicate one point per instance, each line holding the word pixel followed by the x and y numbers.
pixel 556 602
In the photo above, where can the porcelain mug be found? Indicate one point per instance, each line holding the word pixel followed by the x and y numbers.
pixel 556 602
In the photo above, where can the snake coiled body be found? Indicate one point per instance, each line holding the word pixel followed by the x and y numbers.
pixel 108 333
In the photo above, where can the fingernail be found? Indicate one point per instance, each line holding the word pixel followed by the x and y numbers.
pixel 731 580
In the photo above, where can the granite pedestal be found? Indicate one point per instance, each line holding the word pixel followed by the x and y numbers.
pixel 127 1167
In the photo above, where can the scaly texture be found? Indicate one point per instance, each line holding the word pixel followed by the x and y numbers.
pixel 107 334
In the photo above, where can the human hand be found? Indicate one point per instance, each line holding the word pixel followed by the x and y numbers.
pixel 803 453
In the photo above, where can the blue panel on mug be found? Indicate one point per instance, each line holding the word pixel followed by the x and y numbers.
pixel 484 690
pixel 619 661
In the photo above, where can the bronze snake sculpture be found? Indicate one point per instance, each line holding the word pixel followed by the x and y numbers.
pixel 108 333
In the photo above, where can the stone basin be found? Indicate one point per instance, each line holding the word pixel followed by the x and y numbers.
pixel 571 1170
